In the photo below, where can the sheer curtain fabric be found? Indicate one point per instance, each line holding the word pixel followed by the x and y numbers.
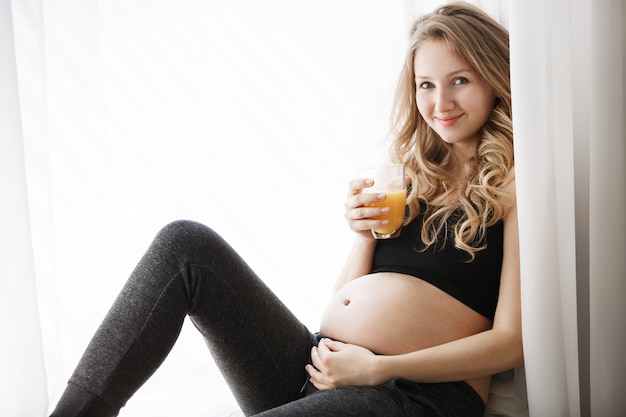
pixel 568 73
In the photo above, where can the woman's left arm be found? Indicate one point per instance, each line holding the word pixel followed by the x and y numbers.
pixel 486 353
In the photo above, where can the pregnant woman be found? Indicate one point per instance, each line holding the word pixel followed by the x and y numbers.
pixel 417 324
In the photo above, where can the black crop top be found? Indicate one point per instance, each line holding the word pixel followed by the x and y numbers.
pixel 475 283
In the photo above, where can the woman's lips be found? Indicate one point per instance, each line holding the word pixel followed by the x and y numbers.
pixel 448 121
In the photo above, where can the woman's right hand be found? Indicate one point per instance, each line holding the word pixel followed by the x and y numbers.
pixel 361 217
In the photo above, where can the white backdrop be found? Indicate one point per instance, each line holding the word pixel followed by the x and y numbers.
pixel 247 116
pixel 251 116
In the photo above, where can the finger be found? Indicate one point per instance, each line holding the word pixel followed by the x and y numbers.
pixel 322 347
pixel 313 372
pixel 364 200
pixel 367 213
pixel 321 357
pixel 357 185
pixel 316 359
pixel 332 345
pixel 316 378
pixel 360 225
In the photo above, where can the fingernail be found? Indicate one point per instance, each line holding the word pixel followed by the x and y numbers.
pixel 381 196
pixel 385 210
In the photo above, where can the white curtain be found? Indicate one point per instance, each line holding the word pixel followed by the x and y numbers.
pixel 568 75
pixel 23 380
pixel 250 117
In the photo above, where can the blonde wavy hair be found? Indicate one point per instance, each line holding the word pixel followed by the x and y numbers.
pixel 473 200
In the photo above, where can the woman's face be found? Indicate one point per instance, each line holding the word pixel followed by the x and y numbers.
pixel 452 98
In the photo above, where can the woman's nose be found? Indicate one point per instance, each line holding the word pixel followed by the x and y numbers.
pixel 444 101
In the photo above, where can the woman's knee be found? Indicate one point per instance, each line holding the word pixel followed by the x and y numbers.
pixel 189 239
pixel 186 231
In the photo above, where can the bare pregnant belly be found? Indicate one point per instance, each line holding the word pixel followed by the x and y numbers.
pixel 390 313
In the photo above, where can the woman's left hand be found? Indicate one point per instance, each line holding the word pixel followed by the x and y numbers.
pixel 337 364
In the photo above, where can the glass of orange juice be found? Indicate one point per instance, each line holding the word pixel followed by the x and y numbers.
pixel 389 180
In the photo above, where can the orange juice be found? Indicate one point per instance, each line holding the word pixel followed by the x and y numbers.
pixel 396 200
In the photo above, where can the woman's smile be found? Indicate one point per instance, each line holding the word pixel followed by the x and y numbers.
pixel 447 121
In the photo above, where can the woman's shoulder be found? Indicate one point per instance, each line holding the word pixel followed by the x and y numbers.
pixel 509 197
pixel 509 183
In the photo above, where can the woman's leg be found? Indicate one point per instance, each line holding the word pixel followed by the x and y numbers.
pixel 260 347
pixel 395 398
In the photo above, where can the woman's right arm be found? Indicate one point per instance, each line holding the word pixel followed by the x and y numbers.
pixel 358 263
pixel 361 219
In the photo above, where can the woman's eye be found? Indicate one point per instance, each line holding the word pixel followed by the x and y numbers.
pixel 460 81
pixel 426 85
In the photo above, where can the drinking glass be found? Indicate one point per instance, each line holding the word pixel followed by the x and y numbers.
pixel 389 180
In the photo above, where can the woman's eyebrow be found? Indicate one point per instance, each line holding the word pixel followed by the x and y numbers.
pixel 449 75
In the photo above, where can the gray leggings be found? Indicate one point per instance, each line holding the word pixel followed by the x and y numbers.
pixel 258 344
